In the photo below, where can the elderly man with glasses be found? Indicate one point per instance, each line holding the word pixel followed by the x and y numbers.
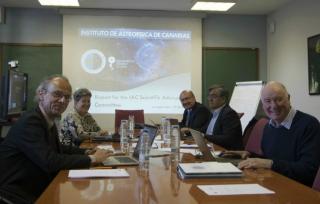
pixel 31 154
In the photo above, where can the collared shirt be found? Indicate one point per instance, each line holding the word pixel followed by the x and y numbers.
pixel 286 122
pixel 215 113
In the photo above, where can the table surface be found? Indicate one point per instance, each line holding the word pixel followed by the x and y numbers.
pixel 162 185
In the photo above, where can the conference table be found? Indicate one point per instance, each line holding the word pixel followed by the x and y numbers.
pixel 161 184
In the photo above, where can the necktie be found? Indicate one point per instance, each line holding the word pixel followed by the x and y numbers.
pixel 188 117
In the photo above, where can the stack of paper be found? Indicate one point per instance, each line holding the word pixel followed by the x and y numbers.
pixel 208 170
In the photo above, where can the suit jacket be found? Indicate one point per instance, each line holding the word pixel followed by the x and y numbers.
pixel 227 130
pixel 199 117
pixel 31 156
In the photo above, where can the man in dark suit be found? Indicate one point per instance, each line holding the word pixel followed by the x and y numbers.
pixel 195 115
pixel 224 126
pixel 31 154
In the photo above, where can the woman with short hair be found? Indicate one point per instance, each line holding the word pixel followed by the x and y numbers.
pixel 79 124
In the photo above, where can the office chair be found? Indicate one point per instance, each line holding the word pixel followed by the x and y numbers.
pixel 124 115
pixel 253 144
pixel 316 183
pixel 173 121
pixel 248 130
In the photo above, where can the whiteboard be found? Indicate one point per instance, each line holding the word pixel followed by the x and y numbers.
pixel 245 99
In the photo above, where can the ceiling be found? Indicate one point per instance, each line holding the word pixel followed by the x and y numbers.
pixel 246 7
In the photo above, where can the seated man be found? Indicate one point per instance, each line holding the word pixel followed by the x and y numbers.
pixel 31 154
pixel 224 126
pixel 195 115
pixel 291 141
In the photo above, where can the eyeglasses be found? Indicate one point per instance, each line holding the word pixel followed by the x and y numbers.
pixel 186 98
pixel 60 94
pixel 213 96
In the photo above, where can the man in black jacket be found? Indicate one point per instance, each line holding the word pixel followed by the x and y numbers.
pixel 224 127
pixel 31 154
pixel 195 115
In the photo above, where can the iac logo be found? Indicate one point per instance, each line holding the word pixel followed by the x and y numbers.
pixel 94 61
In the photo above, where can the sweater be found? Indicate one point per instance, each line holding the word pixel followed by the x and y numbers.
pixel 295 152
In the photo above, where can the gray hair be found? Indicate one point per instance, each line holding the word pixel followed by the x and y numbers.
pixel 222 90
pixel 78 94
pixel 44 84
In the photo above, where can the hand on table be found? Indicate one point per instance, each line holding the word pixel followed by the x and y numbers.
pixel 255 163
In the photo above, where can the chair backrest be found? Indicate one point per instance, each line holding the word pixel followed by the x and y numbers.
pixel 316 183
pixel 254 139
pixel 247 131
pixel 173 121
pixel 124 115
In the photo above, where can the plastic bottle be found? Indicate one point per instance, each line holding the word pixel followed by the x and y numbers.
pixel 131 126
pixel 144 151
pixel 162 126
pixel 167 133
pixel 175 139
pixel 124 143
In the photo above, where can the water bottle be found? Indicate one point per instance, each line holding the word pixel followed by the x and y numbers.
pixel 175 139
pixel 131 126
pixel 167 133
pixel 162 126
pixel 124 143
pixel 144 151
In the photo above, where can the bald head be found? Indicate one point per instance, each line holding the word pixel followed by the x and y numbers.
pixel 274 86
pixel 276 101
pixel 187 99
pixel 54 94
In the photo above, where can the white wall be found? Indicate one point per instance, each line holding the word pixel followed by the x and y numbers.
pixel 45 26
pixel 245 31
pixel 287 59
pixel 31 26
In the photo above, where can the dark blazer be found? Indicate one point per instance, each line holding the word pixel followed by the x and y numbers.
pixel 199 117
pixel 31 156
pixel 227 130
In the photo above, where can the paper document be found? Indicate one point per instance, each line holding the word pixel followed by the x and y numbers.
pixel 188 146
pixel 184 145
pixel 135 144
pixel 158 143
pixel 189 151
pixel 158 138
pixel 235 189
pixel 106 147
pixel 92 173
pixel 166 149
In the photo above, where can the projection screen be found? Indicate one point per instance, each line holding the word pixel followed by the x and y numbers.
pixel 133 62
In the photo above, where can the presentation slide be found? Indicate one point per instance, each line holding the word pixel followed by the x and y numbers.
pixel 132 62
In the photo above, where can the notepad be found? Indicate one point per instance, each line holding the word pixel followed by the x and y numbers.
pixel 235 189
pixel 96 173
pixel 209 167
